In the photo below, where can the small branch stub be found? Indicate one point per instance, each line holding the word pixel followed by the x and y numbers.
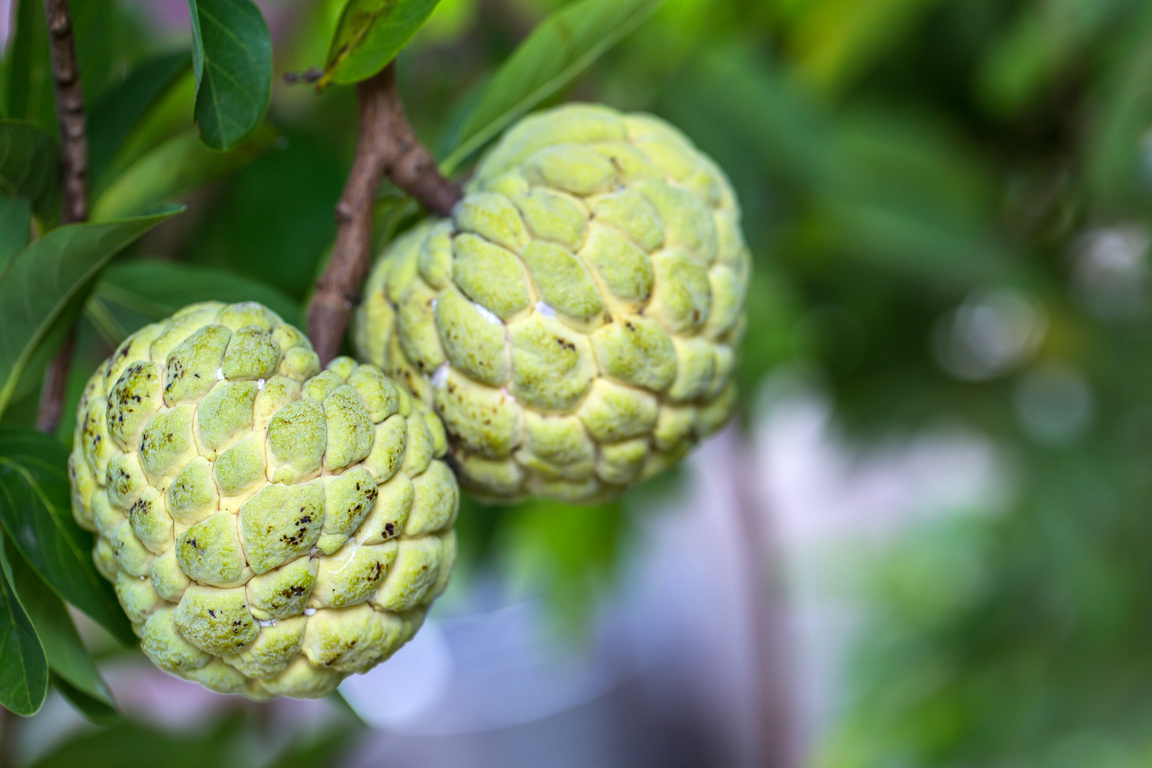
pixel 72 122
pixel 385 146
pixel 310 75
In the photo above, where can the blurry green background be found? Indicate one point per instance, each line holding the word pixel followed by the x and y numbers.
pixel 949 204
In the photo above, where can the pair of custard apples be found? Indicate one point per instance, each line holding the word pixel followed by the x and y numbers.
pixel 271 527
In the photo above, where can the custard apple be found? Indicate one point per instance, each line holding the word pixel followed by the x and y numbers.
pixel 269 527
pixel 575 322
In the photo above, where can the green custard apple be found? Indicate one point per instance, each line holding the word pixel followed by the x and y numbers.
pixel 575 322
pixel 270 528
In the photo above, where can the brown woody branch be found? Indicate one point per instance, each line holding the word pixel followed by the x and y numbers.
pixel 69 113
pixel 385 146
pixel 74 172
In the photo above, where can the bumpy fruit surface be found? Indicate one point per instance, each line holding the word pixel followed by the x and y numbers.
pixel 270 528
pixel 575 322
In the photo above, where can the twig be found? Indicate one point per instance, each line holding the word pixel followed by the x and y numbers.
pixel 385 146
pixel 55 386
pixel 74 171
pixel 69 113
pixel 310 75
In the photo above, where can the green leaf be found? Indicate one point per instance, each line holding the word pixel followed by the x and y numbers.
pixel 232 60
pixel 110 38
pixel 837 43
pixel 29 76
pixel 113 117
pixel 174 168
pixel 389 213
pixel 281 204
pixel 920 245
pixel 23 669
pixel 1116 149
pixel 67 657
pixel 562 47
pixel 95 709
pixel 156 289
pixel 32 375
pixel 166 118
pixel 41 283
pixel 30 166
pixel 341 703
pixel 15 226
pixel 223 742
pixel 754 122
pixel 36 511
pixel 568 554
pixel 369 35
pixel 328 748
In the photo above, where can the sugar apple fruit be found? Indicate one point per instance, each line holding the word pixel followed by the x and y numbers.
pixel 575 322
pixel 269 527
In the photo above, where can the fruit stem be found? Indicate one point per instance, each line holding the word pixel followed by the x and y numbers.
pixel 72 123
pixel 385 146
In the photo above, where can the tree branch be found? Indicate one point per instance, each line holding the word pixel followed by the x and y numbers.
pixel 385 146
pixel 55 386
pixel 69 113
pixel 74 171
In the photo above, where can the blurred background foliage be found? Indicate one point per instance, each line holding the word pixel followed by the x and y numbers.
pixel 950 207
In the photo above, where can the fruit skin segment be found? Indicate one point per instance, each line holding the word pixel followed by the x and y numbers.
pixel 270 528
pixel 575 323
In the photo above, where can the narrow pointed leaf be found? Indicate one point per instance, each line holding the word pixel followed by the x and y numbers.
pixel 232 60
pixel 562 47
pixel 27 69
pixel 15 226
pixel 94 708
pixel 369 34
pixel 36 511
pixel 172 169
pixel 30 166
pixel 219 742
pixel 68 659
pixel 1122 110
pixel 155 289
pixel 23 668
pixel 330 748
pixel 40 285
pixel 389 214
pixel 32 374
pixel 113 116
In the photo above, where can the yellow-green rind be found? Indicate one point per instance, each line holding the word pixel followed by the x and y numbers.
pixel 575 322
pixel 253 511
